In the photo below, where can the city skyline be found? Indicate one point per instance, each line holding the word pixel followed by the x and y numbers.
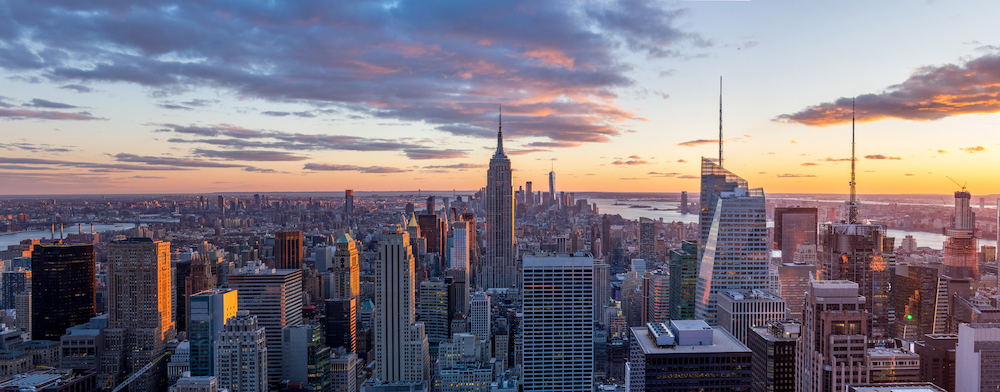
pixel 410 104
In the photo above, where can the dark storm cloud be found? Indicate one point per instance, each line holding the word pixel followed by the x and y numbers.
pixel 41 103
pixel 85 165
pixel 555 65
pixel 930 93
pixel 239 138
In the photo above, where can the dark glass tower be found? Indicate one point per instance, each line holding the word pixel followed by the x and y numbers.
pixel 288 249
pixel 62 290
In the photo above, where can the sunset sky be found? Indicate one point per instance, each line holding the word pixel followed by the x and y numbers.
pixel 210 96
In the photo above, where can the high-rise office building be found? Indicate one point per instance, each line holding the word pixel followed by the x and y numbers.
pixel 139 311
pixel 686 355
pixel 431 206
pixel 460 245
pixel 14 282
pixel 602 289
pixel 288 249
pixel 773 347
pixel 854 252
pixel 960 258
pixel 241 354
pixel 401 347
pixel 552 187
pixel 323 259
pixel 500 268
pixel 209 311
pixel 914 291
pixel 459 297
pixel 794 279
pixel 305 359
pixel 435 312
pixel 529 195
pixel 684 202
pixel 480 316
pixel 977 356
pixel 683 280
pixel 647 242
pixel 741 310
pixel 344 372
pixel 557 328
pixel 342 323
pixel 62 285
pixel 937 359
pixel 656 291
pixel 346 269
pixel 794 226
pixel 275 297
pixel 734 252
pixel 831 352
pixel 435 231
pixel 349 201
pixel 475 264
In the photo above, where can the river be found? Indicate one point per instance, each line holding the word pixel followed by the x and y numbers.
pixel 16 238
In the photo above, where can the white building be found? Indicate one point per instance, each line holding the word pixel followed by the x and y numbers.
pixel 344 372
pixel 480 316
pixel 558 345
pixel 401 347
pixel 463 365
pixel 977 357
pixel 241 355
pixel 740 310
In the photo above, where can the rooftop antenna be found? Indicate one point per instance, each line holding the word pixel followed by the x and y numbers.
pixel 853 204
pixel 720 121
pixel 500 132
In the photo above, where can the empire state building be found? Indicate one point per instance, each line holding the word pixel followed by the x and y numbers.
pixel 500 267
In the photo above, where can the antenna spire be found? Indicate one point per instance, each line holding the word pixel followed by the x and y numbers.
pixel 500 133
pixel 720 121
pixel 853 204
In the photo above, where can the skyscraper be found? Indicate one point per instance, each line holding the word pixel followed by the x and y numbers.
pixel 647 242
pixel 501 256
pixel 345 274
pixel 241 355
pixel 480 320
pixel 773 347
pixel 794 226
pixel 741 310
pixel 401 347
pixel 62 289
pixel 656 292
pixel 529 195
pixel 960 258
pixel 686 355
pixel 209 311
pixel 349 201
pixel 552 186
pixel 14 282
pixel 275 297
pixel 558 322
pixel 734 253
pixel 683 280
pixel 435 312
pixel 288 249
pixel 342 324
pixel 831 352
pixel 602 289
pixel 139 311
pixel 305 359
pixel 976 357
pixel 684 202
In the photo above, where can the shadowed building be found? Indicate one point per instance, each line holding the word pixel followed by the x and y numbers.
pixel 288 249
pixel 62 294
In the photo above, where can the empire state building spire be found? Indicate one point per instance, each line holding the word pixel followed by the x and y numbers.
pixel 499 152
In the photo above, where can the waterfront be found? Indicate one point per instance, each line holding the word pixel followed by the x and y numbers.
pixel 15 238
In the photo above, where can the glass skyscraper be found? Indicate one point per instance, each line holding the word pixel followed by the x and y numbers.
pixel 209 311
pixel 734 251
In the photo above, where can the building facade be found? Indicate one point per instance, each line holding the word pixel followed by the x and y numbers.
pixel 209 311
pixel 773 347
pixel 741 310
pixel 500 267
pixel 831 352
pixel 63 289
pixel 401 346
pixel 686 355
pixel 557 328
pixel 288 249
pixel 241 356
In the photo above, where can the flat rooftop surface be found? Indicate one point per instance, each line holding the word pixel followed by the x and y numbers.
pixel 723 342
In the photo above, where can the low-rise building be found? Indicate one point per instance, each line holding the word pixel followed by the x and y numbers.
pixel 892 365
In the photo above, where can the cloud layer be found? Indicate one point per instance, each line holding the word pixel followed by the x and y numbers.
pixel 556 66
pixel 930 93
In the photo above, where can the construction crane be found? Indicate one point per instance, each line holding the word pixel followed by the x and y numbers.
pixel 139 373
pixel 959 185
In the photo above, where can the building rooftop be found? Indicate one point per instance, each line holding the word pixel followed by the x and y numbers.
pixel 897 387
pixel 755 294
pixel 722 342
pixel 543 259
pixel 887 353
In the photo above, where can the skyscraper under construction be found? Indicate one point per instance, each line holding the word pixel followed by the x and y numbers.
pixel 960 258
